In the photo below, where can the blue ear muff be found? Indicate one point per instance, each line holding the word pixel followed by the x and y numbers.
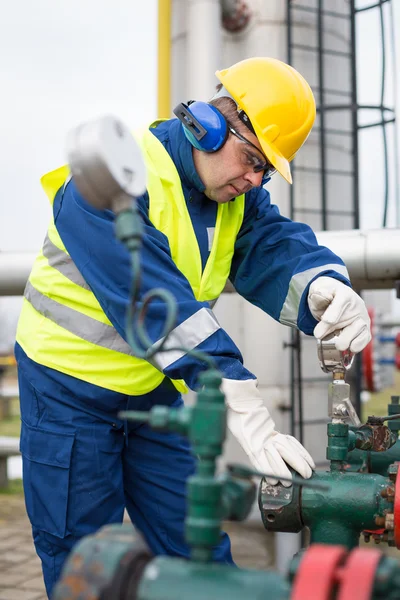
pixel 204 126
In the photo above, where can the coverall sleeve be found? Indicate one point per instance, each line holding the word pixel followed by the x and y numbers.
pixel 276 260
pixel 89 237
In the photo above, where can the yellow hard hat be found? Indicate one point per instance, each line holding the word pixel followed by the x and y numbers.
pixel 279 103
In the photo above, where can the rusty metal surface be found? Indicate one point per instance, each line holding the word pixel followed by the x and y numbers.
pixel 377 438
pixel 102 566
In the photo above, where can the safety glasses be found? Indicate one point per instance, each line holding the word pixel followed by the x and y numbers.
pixel 254 159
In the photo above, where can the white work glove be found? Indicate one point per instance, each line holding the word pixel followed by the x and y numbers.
pixel 251 424
pixel 339 308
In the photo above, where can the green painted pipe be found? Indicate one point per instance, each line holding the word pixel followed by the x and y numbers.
pixel 171 579
pixel 377 462
pixel 373 462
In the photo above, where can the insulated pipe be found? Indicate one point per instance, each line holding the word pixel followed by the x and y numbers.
pixel 372 257
pixel 164 60
pixel 203 48
pixel 14 272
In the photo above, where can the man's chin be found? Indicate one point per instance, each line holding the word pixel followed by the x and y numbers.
pixel 221 197
pixel 225 195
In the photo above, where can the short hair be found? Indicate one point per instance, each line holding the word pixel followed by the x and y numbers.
pixel 228 107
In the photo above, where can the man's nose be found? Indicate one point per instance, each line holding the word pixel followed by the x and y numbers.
pixel 253 178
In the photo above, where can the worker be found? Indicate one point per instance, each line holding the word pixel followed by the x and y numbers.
pixel 207 217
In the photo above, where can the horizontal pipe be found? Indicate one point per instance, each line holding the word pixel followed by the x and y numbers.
pixel 14 272
pixel 372 258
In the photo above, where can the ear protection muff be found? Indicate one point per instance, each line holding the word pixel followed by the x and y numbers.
pixel 204 125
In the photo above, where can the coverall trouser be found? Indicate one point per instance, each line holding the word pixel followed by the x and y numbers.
pixel 82 467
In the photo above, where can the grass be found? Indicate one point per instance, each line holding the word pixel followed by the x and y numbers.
pixel 14 487
pixel 378 402
pixel 11 426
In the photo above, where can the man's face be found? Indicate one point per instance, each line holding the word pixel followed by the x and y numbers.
pixel 229 172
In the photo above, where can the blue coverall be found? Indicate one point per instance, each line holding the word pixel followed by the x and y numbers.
pixel 81 465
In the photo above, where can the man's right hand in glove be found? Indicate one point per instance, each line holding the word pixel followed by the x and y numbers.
pixel 251 424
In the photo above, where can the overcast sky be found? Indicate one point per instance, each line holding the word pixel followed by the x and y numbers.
pixel 65 61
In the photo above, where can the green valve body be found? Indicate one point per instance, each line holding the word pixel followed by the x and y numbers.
pixel 352 505
pixel 337 516
pixel 354 502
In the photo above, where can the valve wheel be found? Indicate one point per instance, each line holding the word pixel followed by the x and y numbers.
pixel 317 574
pixel 396 510
pixel 358 574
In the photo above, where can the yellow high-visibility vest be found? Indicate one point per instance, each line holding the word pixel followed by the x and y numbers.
pixel 63 326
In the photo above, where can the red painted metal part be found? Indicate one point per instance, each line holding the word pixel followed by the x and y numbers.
pixel 317 574
pixel 397 342
pixel 396 511
pixel 377 531
pixel 358 575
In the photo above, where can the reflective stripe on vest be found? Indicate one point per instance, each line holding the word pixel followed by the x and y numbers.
pixel 63 326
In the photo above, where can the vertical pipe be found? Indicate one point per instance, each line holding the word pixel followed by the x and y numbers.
pixel 384 135
pixel 354 116
pixel 288 544
pixel 291 196
pixel 395 124
pixel 295 351
pixel 203 48
pixel 164 59
pixel 300 387
pixel 358 374
pixel 322 110
pixel 292 385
